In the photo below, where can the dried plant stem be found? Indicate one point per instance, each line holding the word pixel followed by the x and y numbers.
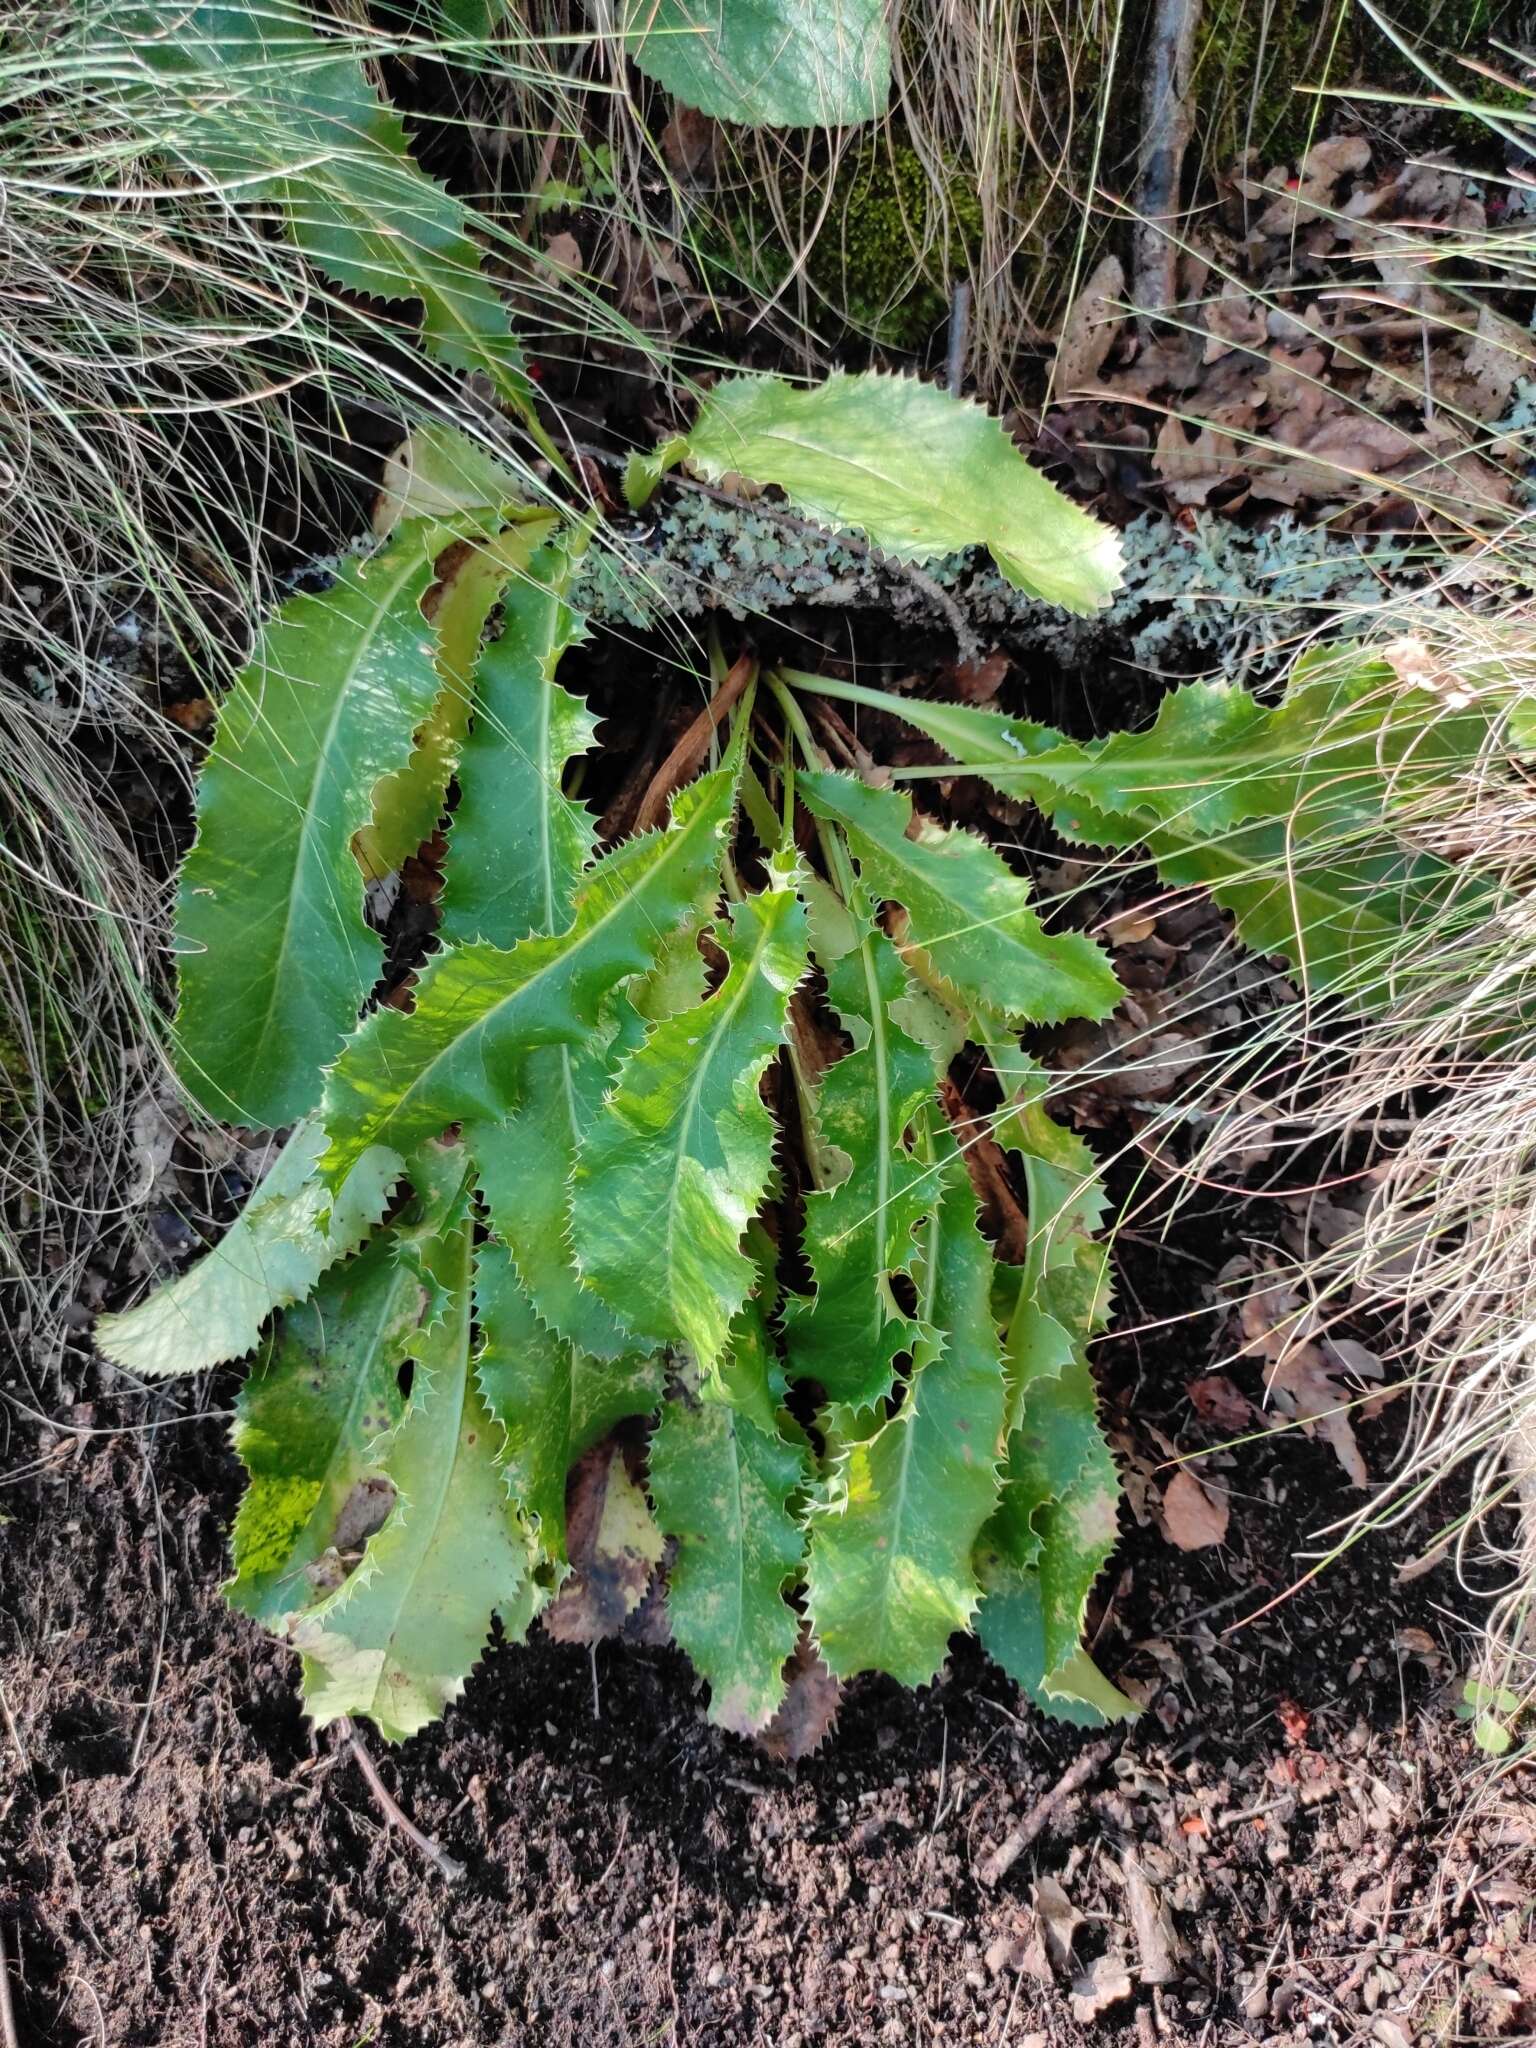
pixel 1079 1773
pixel 8 2036
pixel 394 1814
pixel 1166 128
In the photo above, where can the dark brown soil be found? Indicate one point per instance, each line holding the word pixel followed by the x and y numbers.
pixel 1271 1849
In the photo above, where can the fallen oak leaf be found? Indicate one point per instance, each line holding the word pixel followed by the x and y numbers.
pixel 1306 1385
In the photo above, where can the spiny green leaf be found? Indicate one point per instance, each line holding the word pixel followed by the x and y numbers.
pixel 722 1486
pixel 300 123
pixel 766 63
pixel 275 957
pixel 968 912
pixel 859 1229
pixel 526 1163
pixel 458 1057
pixel 919 474
pixel 519 844
pixel 399 1638
pixel 890 1577
pixel 289 1231
pixel 1060 1298
pixel 408 804
pixel 1337 915
pixel 551 1400
pixel 312 1420
pixel 518 849
pixel 681 1153
pixel 1031 1621
pixel 1322 888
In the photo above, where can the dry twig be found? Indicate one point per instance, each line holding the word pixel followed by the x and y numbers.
pixel 1166 126
pixel 1080 1772
pixel 394 1814
pixel 7 2012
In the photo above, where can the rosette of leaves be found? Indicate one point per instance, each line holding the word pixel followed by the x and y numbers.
pixel 654 1141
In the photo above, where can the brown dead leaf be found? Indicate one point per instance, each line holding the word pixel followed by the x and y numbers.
pixel 1234 321
pixel 1306 1382
pixel 1057 1920
pixel 1193 467
pixel 1091 328
pixel 1216 1400
pixel 655 287
pixel 1315 190
pixel 689 143
pixel 1192 1517
pixel 809 1709
pixel 1104 1983
pixel 1480 385
pixel 977 682
pixel 365 1510
pixel 563 253
pixel 192 714
pixel 615 1549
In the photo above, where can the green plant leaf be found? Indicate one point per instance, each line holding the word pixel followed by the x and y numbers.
pixel 969 913
pixel 408 804
pixel 1339 916
pixel 919 474
pixel 681 1152
pixel 551 1400
pixel 290 1230
pixel 722 1487
pixel 302 125
pixel 275 957
pixel 766 63
pixel 519 845
pixel 1031 1621
pixel 458 1057
pixel 1341 747
pixel 516 855
pixel 890 1577
pixel 398 1639
pixel 1318 882
pixel 859 1228
pixel 313 1418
